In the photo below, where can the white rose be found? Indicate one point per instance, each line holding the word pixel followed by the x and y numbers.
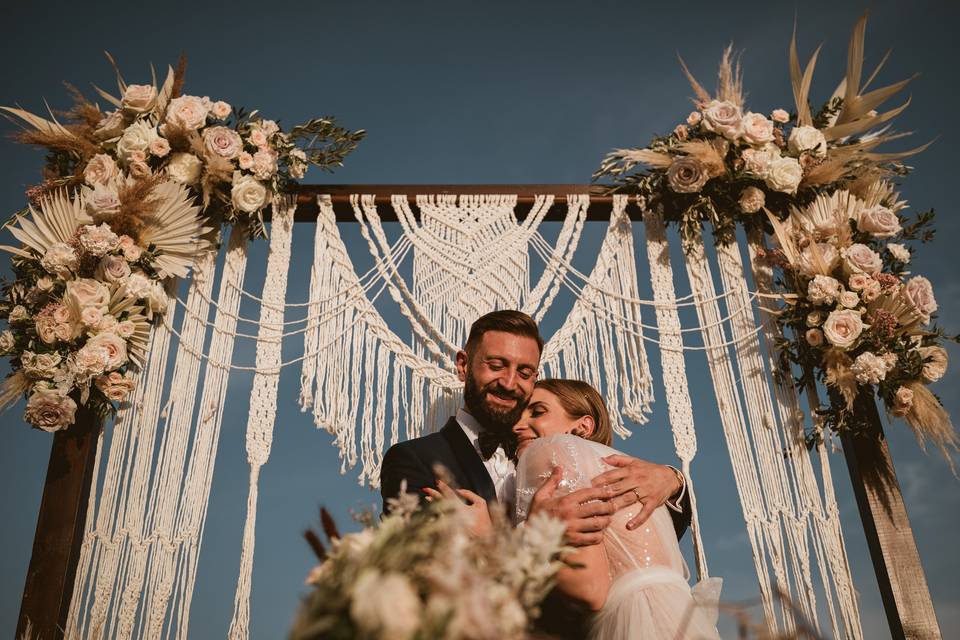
pixel 385 605
pixel 818 258
pixel 934 363
pixel 757 161
pixel 784 175
pixel 899 252
pixel 137 137
pixel 780 115
pixel 248 194
pixel 823 289
pixel 723 117
pixel 187 112
pixel 902 402
pixel 220 109
pixel 139 98
pixel 757 130
pixel 18 314
pixel 919 293
pixel 869 368
pixel 814 337
pixel 85 292
pixel 98 240
pixel 50 411
pixel 849 299
pixel 842 328
pixel 879 221
pixel 269 127
pixel 752 200
pixel 114 346
pixel 102 202
pixel 100 169
pixel 115 386
pixel 110 126
pixel 807 138
pixel 223 142
pixel 112 269
pixel 60 259
pixel 185 168
pixel 859 258
pixel 7 342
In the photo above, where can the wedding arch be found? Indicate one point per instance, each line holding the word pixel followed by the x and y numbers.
pixel 120 526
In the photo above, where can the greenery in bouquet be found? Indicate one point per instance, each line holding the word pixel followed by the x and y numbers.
pixel 852 316
pixel 130 199
pixel 420 574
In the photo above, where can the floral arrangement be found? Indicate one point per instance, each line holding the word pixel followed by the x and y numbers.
pixel 853 319
pixel 130 199
pixel 419 575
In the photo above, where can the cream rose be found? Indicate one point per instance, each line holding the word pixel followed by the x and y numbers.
pixel 298 164
pixel 859 258
pixel 223 142
pixel 807 139
pixel 156 297
pixel 919 293
pixel 385 605
pixel 60 259
pixel 687 175
pixel 39 366
pixel 126 245
pixel 185 168
pixel 110 127
pixel 681 132
pixel 752 200
pixel 139 98
pixel 899 252
pixel 248 194
pixel 694 118
pixel 114 346
pixel 269 127
pixel 245 160
pixel 860 281
pixel 91 317
pixel 102 202
pixel 108 324
pixel 842 328
pixel 879 221
pixel 115 386
pixel 90 360
pixel 814 337
pixel 757 130
pixel 100 169
pixel 159 147
pixel 50 411
pixel 98 240
pixel 723 117
pixel 112 269
pixel 784 175
pixel 902 402
pixel 85 292
pixel 934 363
pixel 18 314
pixel 780 115
pixel 258 138
pixel 824 289
pixel 187 112
pixel 818 258
pixel 126 328
pixel 848 299
pixel 139 170
pixel 137 137
pixel 220 109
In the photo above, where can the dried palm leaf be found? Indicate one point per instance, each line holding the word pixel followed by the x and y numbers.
pixel 898 155
pixel 137 343
pixel 854 62
pixel 58 219
pixel 703 96
pixel 163 95
pixel 13 388
pixel 784 238
pixel 106 96
pixel 929 420
pixel 863 124
pixel 824 173
pixel 175 229
pixel 120 83
pixel 51 128
pixel 801 82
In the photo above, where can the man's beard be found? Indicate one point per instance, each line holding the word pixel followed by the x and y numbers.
pixel 492 418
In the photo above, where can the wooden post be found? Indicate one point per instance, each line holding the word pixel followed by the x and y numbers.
pixel 903 585
pixel 60 524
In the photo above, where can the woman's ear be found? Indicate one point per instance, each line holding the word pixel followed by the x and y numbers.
pixel 584 427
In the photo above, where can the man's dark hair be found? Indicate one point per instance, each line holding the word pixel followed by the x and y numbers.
pixel 508 321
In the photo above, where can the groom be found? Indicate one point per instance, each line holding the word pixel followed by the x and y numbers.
pixel 498 367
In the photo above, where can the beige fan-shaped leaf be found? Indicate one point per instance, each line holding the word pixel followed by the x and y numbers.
pixel 828 216
pixel 175 229
pixel 59 217
pixel 164 93
pixel 801 81
pixel 137 342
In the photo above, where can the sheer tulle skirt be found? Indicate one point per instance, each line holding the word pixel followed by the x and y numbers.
pixel 657 603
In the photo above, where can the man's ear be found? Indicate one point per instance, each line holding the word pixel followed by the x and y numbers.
pixel 462 366
pixel 584 427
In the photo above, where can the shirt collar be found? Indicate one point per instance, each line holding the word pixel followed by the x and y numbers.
pixel 469 425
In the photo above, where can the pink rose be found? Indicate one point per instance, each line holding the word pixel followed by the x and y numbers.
pixel 859 258
pixel 223 142
pixel 902 402
pixel 220 109
pixel 139 98
pixel 723 117
pixel 860 281
pixel 814 337
pixel 879 221
pixel 112 269
pixel 131 252
pixel 160 147
pixel 115 386
pixel 101 169
pixel 187 112
pixel 919 293
pixel 113 346
pixel 50 411
pixel 681 132
pixel 264 164
pixel 694 118
pixel 842 328
pixel 91 317
pixel 246 160
pixel 138 170
pixel 687 175
pixel 757 130
pixel 258 138
pixel 780 115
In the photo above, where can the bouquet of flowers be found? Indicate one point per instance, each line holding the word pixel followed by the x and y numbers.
pixel 131 198
pixel 420 575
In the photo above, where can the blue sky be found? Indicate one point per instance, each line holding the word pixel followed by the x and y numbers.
pixel 480 92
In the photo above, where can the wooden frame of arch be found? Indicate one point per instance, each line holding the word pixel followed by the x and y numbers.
pixel 62 515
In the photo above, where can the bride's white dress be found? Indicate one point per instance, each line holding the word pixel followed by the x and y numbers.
pixel 649 595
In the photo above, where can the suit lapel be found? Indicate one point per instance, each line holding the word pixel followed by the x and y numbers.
pixel 477 478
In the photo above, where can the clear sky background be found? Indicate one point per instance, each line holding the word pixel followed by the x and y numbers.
pixel 480 92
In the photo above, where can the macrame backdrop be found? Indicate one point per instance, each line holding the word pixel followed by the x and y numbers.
pixel 370 388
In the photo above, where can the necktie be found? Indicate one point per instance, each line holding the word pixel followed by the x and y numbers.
pixel 489 442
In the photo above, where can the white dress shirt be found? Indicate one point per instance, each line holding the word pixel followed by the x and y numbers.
pixel 499 467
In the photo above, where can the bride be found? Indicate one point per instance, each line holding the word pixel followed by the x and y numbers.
pixel 636 580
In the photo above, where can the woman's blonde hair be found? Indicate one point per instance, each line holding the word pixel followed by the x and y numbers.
pixel 579 399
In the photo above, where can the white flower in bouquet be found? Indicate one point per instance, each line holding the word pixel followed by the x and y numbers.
pixel 223 142
pixel 842 328
pixel 45 284
pixel 220 110
pixel 90 361
pixel 902 401
pixel 757 161
pixel 807 139
pixel 187 112
pixel 879 222
pixel 818 258
pixel 848 299
pixel 112 269
pixel 269 127
pixel 757 130
pixel 126 245
pixel 723 117
pixel 98 240
pixel 899 252
pixel 156 297
pixel 780 115
pixel 137 285
pixel 47 409
pixel 385 605
pixel 264 164
pixel 687 175
pixel 110 127
pixel 298 164
pixel 934 363
pixel 100 169
pixel 91 317
pixel 60 259
pixel 40 366
pixel 102 202
pixel 824 289
pixel 869 368
pixel 185 168
pixel 137 137
pixel 7 342
pixel 859 258
pixel 919 293
pixel 245 160
pixel 784 175
pixel 752 200
pixel 248 194
pixel 258 138
pixel 115 386
pixel 19 313
pixel 82 293
pixel 139 98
